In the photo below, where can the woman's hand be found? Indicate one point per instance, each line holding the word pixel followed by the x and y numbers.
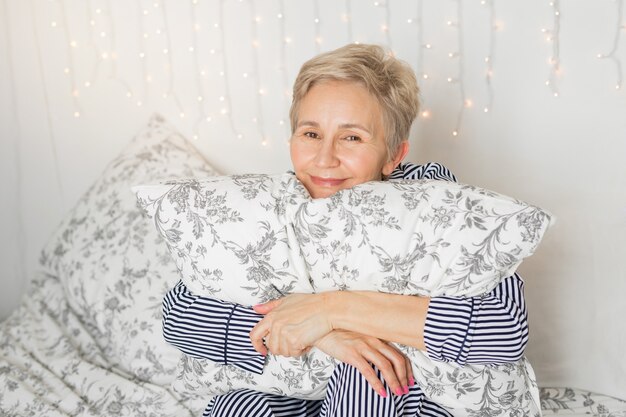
pixel 291 325
pixel 360 351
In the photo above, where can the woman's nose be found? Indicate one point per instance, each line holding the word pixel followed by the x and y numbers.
pixel 327 155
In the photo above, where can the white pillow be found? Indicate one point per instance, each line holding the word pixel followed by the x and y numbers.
pixel 408 237
pixel 416 237
pixel 113 265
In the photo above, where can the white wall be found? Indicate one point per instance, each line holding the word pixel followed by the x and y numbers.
pixel 565 154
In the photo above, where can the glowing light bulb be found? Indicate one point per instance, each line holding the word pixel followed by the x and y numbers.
pixel 239 136
pixel 200 98
pixel 76 114
pixel 455 133
pixel 486 109
pixel 426 114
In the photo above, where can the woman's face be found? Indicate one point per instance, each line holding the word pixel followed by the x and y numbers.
pixel 339 139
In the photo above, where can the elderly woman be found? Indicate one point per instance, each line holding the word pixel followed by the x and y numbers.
pixel 351 115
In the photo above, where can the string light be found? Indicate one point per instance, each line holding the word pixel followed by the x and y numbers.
pixel 70 70
pixel 226 111
pixel 257 77
pixel 170 73
pixel 316 20
pixel 198 78
pixel 113 40
pixel 385 27
pixel 347 18
pixel 461 63
pixel 554 36
pixel 616 40
pixel 42 75
pixel 489 58
pixel 285 98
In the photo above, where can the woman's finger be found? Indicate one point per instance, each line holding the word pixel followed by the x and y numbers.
pixel 365 368
pixel 265 308
pixel 386 368
pixel 256 337
pixel 398 360
pixel 409 369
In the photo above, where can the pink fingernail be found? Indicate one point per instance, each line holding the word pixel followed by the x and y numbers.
pixel 382 393
pixel 405 390
pixel 398 391
pixel 411 382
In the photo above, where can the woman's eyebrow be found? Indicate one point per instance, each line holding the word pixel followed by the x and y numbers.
pixel 308 123
pixel 354 126
pixel 311 123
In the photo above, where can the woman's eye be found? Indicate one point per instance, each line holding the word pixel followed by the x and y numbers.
pixel 353 138
pixel 311 135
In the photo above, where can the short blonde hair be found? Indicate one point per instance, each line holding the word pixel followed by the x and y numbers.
pixel 391 81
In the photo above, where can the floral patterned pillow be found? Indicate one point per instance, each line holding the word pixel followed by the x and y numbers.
pixel 113 265
pixel 229 235
pixel 244 238
pixel 251 238
pixel 423 237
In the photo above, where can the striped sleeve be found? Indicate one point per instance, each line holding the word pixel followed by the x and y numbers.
pixel 207 328
pixel 479 330
pixel 492 329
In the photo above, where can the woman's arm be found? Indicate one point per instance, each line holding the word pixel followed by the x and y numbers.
pixel 207 328
pixel 478 330
pixel 492 329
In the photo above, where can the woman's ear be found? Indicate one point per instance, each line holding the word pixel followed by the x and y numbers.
pixel 401 151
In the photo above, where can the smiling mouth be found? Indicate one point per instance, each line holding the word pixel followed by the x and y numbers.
pixel 327 182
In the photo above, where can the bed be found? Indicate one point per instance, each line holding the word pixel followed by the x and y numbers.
pixel 86 340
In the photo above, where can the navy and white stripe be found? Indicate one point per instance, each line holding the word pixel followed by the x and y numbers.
pixel 203 327
pixel 491 329
pixel 348 394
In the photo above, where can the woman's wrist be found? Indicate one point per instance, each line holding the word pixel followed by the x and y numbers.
pixel 391 317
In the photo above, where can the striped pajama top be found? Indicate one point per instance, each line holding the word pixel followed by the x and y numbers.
pixel 488 329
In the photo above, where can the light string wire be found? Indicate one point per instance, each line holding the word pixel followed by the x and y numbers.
pixel 461 67
pixel 616 41
pixel 113 52
pixel 287 93
pixel 493 26
pixel 94 46
pixel 554 36
pixel 316 20
pixel 199 83
pixel 170 64
pixel 226 111
pixel 21 247
pixel 347 18
pixel 385 27
pixel 419 66
pixel 46 99
pixel 142 54
pixel 258 120
pixel 71 68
